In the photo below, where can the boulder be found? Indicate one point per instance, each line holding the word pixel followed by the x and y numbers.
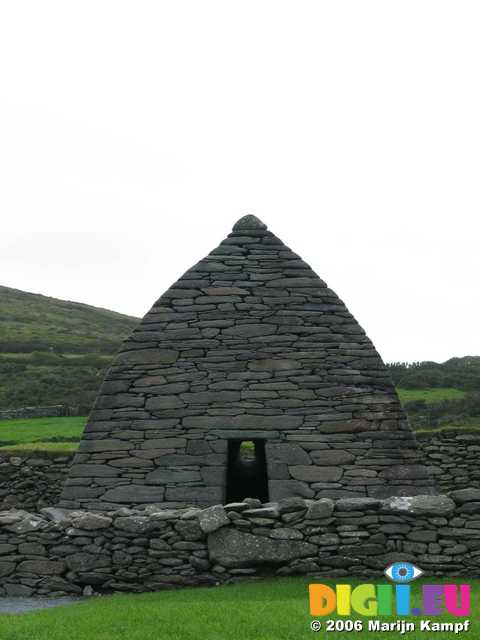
pixel 232 548
pixel 320 509
pixel 213 518
pixel 134 524
pixel 420 505
pixel 91 521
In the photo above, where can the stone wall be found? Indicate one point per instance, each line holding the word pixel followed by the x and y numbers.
pixel 452 458
pixel 57 552
pixel 54 411
pixel 32 481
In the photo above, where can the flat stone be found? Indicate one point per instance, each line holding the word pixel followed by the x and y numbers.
pixel 274 364
pixel 332 457
pixel 42 567
pixel 172 476
pixel 87 561
pixel 134 524
pixel 164 443
pixel 210 397
pixel 231 548
pixel 91 521
pixel 469 507
pixel 12 516
pixel 225 291
pixel 213 518
pixel 201 495
pixel 465 495
pixel 288 488
pixel 141 356
pixel 61 516
pixel 281 533
pixel 320 509
pixel 93 471
pixel 28 524
pixel 423 536
pixel 134 493
pixel 420 505
pixel 250 330
pixel 313 473
pixel 287 453
pixel 243 422
pixel 7 549
pixel 357 504
pixel 262 512
pixel 111 444
pixel 6 568
pixel 18 590
pixel 405 471
pixel 159 403
pixel 31 548
pixel 293 504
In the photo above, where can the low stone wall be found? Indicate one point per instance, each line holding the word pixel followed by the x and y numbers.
pixel 32 481
pixel 54 411
pixel 58 552
pixel 452 458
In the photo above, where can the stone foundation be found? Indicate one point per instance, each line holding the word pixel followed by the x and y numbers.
pixel 60 552
pixel 32 481
pixel 452 458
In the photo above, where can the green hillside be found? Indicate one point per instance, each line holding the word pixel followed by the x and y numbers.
pixel 54 351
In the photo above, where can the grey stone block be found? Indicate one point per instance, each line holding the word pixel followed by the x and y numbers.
pixel 287 453
pixel 172 476
pixel 134 494
pixel 279 489
pixel 213 518
pixel 312 473
pixel 232 548
pixel 332 457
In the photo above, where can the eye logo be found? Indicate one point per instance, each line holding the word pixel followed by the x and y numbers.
pixel 403 572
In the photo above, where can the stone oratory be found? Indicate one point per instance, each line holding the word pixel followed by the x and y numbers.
pixel 248 346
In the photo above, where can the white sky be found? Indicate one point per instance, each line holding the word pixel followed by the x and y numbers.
pixel 134 134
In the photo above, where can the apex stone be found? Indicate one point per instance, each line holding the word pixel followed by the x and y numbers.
pixel 249 222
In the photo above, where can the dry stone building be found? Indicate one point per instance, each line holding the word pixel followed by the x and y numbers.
pixel 249 345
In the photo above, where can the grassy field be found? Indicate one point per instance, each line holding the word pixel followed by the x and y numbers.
pixel 430 396
pixel 264 610
pixel 43 434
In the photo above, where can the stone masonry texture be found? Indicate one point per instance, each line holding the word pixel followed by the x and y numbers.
pixel 57 552
pixel 248 344
pixel 33 481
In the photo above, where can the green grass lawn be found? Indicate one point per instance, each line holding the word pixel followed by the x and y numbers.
pixel 429 395
pixel 273 609
pixel 45 434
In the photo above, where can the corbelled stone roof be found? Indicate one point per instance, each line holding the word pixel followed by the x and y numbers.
pixel 248 343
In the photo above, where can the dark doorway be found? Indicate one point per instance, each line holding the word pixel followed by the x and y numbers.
pixel 246 470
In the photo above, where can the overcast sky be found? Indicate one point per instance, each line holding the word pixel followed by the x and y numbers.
pixel 134 134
